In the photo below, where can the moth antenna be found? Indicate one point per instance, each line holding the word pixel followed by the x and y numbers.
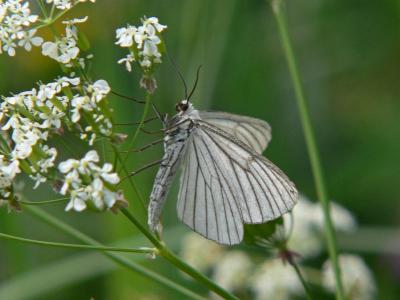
pixel 195 83
pixel 128 98
pixel 179 74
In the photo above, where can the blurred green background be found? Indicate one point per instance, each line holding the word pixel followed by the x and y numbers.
pixel 349 57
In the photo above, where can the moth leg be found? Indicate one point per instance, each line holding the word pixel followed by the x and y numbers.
pixel 137 123
pixel 145 167
pixel 145 146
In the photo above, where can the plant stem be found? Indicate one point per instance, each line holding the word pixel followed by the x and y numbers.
pixel 44 202
pixel 279 12
pixel 42 8
pixel 300 275
pixel 69 230
pixel 176 261
pixel 77 246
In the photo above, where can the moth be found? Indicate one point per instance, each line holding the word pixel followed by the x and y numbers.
pixel 225 180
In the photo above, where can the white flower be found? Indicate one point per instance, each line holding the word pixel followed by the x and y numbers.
pixel 75 21
pixel 9 170
pixel 68 165
pixel 77 202
pixel 64 49
pixel 105 173
pixel 127 60
pixel 61 4
pixel 231 271
pixel 71 180
pixel 357 278
pixel 125 36
pixel 275 280
pixel 50 49
pixel 342 219
pixel 9 46
pixel 15 18
pixel 200 252
pixel 100 89
pixel 145 38
pixel 154 22
pixel 30 39
pixel 304 238
pixel 86 164
pixel 79 103
pixel 86 181
pixel 66 4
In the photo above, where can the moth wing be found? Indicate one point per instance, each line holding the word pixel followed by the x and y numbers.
pixel 225 183
pixel 254 132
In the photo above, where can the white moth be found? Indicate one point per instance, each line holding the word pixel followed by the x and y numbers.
pixel 225 181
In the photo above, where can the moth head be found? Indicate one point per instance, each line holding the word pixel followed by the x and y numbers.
pixel 182 106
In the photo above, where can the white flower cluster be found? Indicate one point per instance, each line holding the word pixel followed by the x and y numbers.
pixel 15 20
pixel 275 280
pixel 84 181
pixel 235 271
pixel 307 224
pixel 29 118
pixel 144 43
pixel 91 105
pixel 201 260
pixel 357 278
pixel 65 50
pixel 66 4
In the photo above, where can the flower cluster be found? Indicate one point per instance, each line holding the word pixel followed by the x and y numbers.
pixel 30 117
pixel 85 182
pixel 66 4
pixel 357 278
pixel 306 221
pixel 239 272
pixel 275 280
pixel 144 44
pixel 15 20
pixel 92 105
pixel 65 50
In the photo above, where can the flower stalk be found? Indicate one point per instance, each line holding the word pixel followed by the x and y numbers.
pixel 69 230
pixel 177 262
pixel 280 16
pixel 142 250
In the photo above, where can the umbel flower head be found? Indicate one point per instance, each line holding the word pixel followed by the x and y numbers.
pixel 145 48
pixel 15 20
pixel 86 182
pixel 29 119
pixel 359 283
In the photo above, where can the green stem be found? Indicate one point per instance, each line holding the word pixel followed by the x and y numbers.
pixel 42 8
pixel 44 202
pixel 177 262
pixel 77 246
pixel 300 275
pixel 142 229
pixel 278 9
pixel 69 230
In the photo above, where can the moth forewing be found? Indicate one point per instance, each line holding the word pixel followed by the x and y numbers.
pixel 225 182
